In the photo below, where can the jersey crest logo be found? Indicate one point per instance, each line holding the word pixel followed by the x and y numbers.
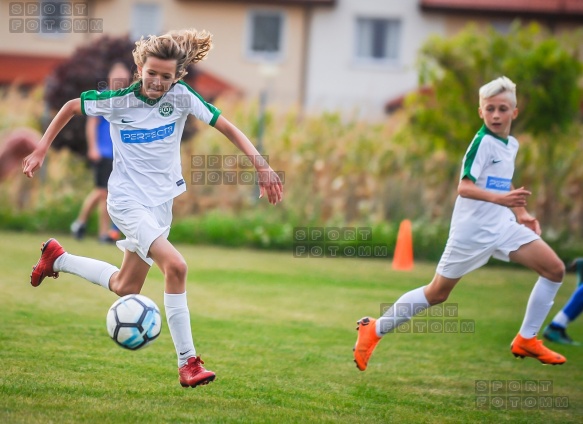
pixel 166 109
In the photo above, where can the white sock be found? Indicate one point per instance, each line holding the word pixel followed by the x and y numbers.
pixel 407 306
pixel 178 318
pixel 98 272
pixel 561 319
pixel 539 304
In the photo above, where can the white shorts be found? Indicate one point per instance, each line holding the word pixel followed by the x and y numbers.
pixel 140 224
pixel 458 260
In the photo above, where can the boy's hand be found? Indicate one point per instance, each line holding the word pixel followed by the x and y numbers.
pixel 93 155
pixel 32 162
pixel 515 198
pixel 270 182
pixel 529 221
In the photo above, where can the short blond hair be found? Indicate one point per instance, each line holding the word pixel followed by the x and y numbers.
pixel 497 86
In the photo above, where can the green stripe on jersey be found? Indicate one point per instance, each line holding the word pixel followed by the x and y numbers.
pixel 108 94
pixel 94 95
pixel 471 154
pixel 215 111
pixel 487 130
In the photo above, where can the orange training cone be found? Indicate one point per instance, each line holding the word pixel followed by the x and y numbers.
pixel 403 257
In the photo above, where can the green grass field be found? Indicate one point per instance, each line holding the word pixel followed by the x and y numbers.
pixel 278 331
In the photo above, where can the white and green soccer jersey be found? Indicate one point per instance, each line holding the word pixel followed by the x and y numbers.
pixel 146 137
pixel 489 163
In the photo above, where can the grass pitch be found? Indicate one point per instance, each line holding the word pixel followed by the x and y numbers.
pixel 278 331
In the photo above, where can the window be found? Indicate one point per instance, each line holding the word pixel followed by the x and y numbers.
pixel 378 39
pixel 145 20
pixel 266 34
pixel 52 19
pixel 502 27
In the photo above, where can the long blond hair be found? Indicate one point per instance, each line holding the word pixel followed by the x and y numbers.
pixel 185 46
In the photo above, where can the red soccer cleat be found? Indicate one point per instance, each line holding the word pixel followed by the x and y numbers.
pixel 194 374
pixel 50 251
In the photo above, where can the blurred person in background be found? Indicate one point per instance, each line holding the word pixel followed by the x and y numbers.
pixel 556 331
pixel 16 145
pixel 100 153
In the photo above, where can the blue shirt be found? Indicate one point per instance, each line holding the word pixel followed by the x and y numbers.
pixel 103 138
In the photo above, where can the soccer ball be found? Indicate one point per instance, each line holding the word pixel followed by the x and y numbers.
pixel 134 321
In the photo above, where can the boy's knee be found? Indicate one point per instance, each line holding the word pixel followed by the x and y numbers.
pixel 122 288
pixel 436 298
pixel 557 271
pixel 177 270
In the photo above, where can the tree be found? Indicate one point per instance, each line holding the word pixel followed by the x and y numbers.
pixel 547 72
pixel 86 69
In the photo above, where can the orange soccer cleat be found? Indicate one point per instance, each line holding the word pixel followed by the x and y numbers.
pixel 194 374
pixel 534 348
pixel 50 251
pixel 366 342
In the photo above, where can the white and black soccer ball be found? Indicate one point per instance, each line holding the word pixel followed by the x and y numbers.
pixel 134 321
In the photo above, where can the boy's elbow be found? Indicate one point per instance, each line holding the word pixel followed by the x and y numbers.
pixel 73 107
pixel 465 187
pixel 462 191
